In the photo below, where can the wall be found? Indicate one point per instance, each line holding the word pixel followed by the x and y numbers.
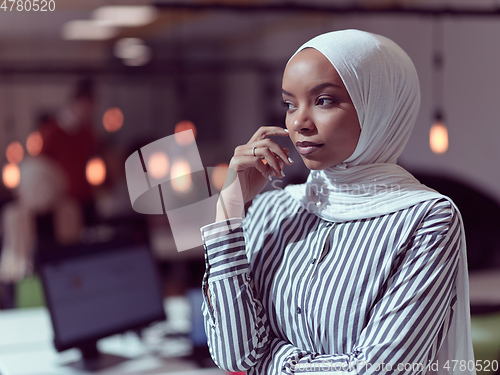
pixel 237 98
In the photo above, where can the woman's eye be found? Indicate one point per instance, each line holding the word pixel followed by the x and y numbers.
pixel 287 105
pixel 325 101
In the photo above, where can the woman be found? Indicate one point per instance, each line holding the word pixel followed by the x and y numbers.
pixel 361 269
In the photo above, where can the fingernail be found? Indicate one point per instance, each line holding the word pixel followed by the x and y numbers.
pixel 270 178
pixel 290 159
pixel 282 174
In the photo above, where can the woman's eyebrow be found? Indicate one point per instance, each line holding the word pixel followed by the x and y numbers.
pixel 324 85
pixel 316 88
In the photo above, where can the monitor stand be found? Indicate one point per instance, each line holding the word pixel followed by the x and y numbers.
pixel 93 360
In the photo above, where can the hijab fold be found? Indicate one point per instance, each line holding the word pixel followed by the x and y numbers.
pixel 383 85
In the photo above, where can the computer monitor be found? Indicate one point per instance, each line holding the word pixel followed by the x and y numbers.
pixel 97 291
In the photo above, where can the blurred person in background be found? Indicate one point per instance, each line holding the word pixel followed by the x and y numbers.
pixel 69 140
pixel 54 199
pixel 43 215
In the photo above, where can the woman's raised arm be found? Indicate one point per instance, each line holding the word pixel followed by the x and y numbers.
pixel 235 321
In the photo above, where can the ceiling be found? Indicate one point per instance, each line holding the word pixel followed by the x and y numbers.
pixel 189 24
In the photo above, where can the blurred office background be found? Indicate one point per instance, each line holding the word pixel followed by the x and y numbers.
pixel 86 83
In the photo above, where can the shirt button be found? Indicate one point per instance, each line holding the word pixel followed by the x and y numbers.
pixel 298 310
pixel 313 261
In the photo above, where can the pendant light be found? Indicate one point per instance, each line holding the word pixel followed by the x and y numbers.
pixel 438 135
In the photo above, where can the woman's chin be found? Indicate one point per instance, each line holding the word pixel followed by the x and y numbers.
pixel 317 165
pixel 314 165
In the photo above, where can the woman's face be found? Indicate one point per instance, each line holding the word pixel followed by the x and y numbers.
pixel 320 117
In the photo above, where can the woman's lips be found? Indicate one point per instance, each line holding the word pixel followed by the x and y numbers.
pixel 306 148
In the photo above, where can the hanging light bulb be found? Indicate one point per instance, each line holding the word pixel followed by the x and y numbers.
pixel 219 175
pixel 112 120
pixel 95 171
pixel 181 176
pixel 11 176
pixel 182 138
pixel 158 165
pixel 14 152
pixel 438 135
pixel 34 143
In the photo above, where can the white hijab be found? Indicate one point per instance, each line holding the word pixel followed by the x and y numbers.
pixel 383 85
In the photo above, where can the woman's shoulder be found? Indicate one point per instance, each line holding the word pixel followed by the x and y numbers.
pixel 441 204
pixel 435 215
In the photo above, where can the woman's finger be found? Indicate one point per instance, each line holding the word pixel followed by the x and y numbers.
pixel 242 162
pixel 252 159
pixel 266 131
pixel 281 152
pixel 269 151
pixel 271 159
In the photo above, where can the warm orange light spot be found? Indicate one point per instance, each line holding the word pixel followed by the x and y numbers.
pixel 34 143
pixel 219 175
pixel 181 176
pixel 184 139
pixel 11 176
pixel 438 138
pixel 158 165
pixel 14 152
pixel 112 119
pixel 96 171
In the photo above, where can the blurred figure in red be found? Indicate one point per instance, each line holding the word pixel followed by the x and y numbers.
pixel 69 140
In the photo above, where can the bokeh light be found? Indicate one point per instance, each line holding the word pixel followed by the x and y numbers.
pixel 96 171
pixel 144 55
pixel 182 138
pixel 11 175
pixel 219 175
pixel 34 143
pixel 438 138
pixel 123 48
pixel 14 152
pixel 158 165
pixel 112 119
pixel 181 176
pixel 133 51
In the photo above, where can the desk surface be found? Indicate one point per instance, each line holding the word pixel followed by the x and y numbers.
pixel 26 349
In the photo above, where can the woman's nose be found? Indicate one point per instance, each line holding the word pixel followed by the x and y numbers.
pixel 302 122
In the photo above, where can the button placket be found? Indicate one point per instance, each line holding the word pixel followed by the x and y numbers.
pixel 324 249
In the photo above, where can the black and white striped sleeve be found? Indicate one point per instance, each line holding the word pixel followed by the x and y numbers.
pixel 409 319
pixel 235 321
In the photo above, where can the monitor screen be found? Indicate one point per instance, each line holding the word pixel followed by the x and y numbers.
pixel 99 292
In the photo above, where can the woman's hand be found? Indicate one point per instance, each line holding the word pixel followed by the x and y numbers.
pixel 248 173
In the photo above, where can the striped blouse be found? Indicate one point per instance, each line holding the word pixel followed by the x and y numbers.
pixel 292 293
